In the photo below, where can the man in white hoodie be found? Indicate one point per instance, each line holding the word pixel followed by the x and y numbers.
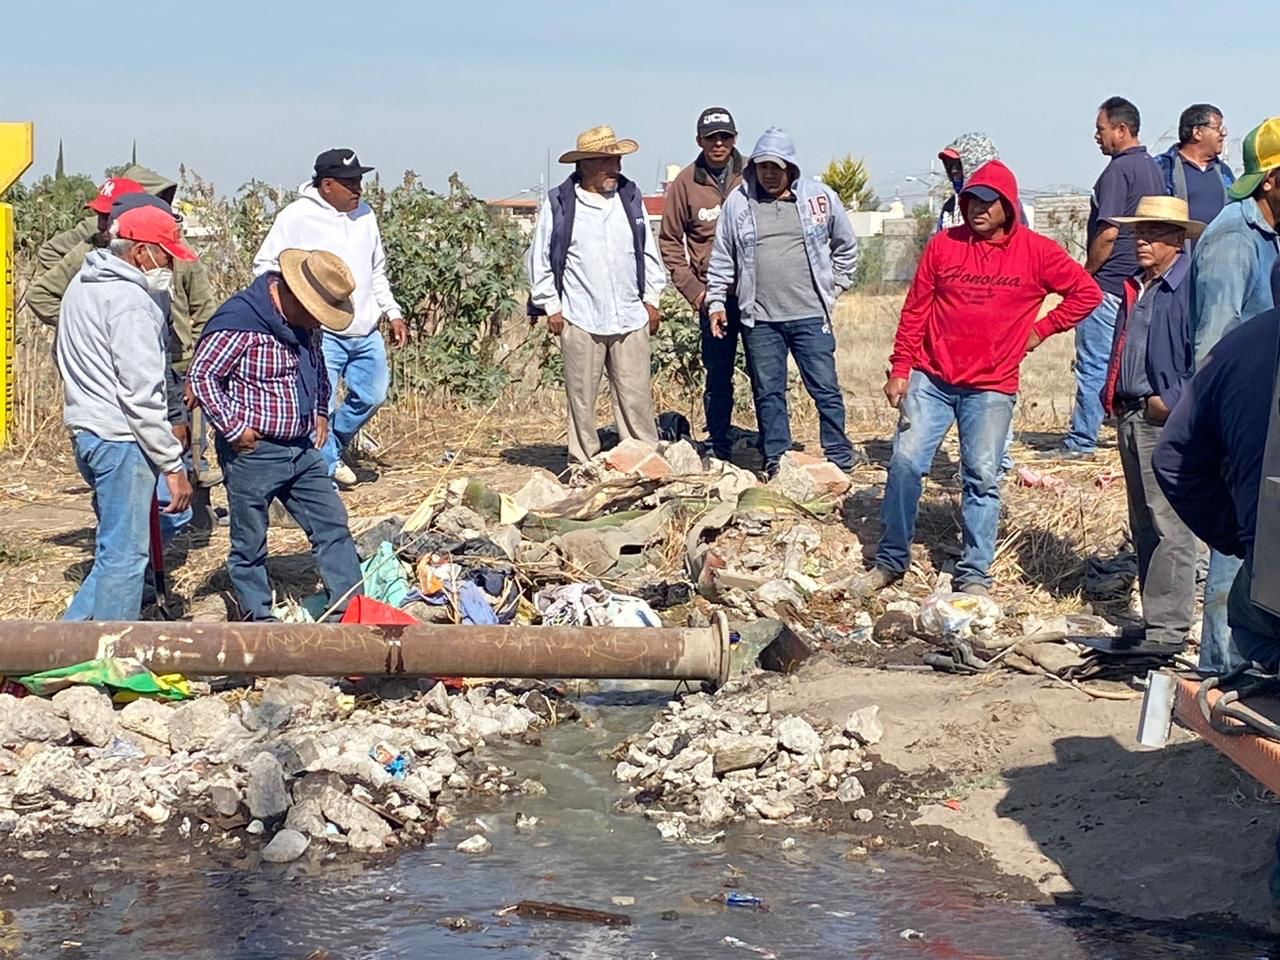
pixel 112 352
pixel 329 215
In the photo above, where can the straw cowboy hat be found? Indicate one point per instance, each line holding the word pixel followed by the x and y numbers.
pixel 323 284
pixel 599 142
pixel 1170 210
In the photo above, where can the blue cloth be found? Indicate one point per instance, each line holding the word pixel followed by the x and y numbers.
pixel 719 360
pixel 473 605
pixel 1231 273
pixel 928 410
pixel 1094 338
pixel 294 473
pixel 123 481
pixel 253 310
pixel 361 363
pixel 1209 464
pixel 829 239
pixel 1169 360
pixel 1126 179
pixel 813 345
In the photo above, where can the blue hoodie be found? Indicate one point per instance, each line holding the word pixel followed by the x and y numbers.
pixel 829 239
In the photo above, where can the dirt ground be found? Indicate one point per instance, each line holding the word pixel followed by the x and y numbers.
pixel 1047 786
pixel 1052 787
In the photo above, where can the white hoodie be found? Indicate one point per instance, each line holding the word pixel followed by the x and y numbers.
pixel 112 351
pixel 310 223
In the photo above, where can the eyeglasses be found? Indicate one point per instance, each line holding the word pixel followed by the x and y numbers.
pixel 1219 129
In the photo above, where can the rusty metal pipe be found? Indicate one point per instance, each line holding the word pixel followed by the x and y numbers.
pixel 418 650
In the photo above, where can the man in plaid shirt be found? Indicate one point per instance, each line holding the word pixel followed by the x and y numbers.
pixel 259 375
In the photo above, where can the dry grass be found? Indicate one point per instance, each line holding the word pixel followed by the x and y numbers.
pixel 45 537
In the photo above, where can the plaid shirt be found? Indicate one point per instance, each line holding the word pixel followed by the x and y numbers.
pixel 244 379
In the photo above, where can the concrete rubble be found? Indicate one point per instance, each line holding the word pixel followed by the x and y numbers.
pixel 710 760
pixel 284 769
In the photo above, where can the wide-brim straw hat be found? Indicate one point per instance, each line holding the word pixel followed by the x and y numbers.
pixel 599 142
pixel 1171 210
pixel 323 284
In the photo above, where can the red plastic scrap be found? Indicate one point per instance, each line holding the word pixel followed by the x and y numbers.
pixel 375 613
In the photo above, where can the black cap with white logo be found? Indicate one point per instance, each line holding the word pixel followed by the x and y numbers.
pixel 340 164
pixel 716 120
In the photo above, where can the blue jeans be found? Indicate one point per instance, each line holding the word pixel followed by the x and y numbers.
pixel 171 523
pixel 361 364
pixel 718 359
pixel 293 472
pixel 813 345
pixel 122 480
pixel 927 413
pixel 1218 653
pixel 1094 338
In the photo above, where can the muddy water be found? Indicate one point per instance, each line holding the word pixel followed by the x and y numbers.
pixel 164 902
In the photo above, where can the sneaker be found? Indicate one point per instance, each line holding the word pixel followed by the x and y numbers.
pixel 344 476
pixel 875 580
pixel 976 589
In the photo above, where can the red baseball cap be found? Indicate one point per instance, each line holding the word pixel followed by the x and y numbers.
pixel 111 188
pixel 153 225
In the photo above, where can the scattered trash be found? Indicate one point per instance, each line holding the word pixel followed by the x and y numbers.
pixel 478 844
pixel 735 942
pixel 393 761
pixel 124 675
pixel 623 901
pixel 460 924
pixel 951 804
pixel 590 604
pixel 537 910
pixel 735 899
pixel 1047 481
pixel 958 615
pixel 912 936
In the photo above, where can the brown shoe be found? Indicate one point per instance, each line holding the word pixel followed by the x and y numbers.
pixel 976 589
pixel 875 580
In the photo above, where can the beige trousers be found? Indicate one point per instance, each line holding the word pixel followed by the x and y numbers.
pixel 625 357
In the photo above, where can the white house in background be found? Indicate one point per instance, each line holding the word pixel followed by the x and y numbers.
pixel 870 223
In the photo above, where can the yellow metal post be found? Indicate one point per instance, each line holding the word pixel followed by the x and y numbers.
pixel 15 156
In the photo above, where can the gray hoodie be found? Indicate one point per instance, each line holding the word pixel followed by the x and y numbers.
pixel 828 235
pixel 111 351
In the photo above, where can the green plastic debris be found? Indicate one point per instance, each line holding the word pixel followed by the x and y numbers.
pixel 123 674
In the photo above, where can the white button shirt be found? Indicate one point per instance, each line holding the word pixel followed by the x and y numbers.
pixel 600 294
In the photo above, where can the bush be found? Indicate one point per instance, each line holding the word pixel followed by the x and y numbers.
pixel 47 208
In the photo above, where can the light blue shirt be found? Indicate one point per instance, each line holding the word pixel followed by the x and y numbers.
pixel 1231 273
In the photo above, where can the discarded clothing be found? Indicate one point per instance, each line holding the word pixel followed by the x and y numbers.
pixel 590 604
pixel 384 578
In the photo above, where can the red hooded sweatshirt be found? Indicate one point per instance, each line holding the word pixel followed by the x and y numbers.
pixel 974 302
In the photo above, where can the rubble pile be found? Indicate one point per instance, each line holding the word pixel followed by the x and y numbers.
pixel 708 761
pixel 294 766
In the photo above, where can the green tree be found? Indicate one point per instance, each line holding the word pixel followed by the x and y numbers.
pixel 59 172
pixel 849 179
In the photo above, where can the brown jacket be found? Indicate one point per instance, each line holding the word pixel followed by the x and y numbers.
pixel 689 218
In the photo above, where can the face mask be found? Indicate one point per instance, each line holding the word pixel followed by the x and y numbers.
pixel 159 285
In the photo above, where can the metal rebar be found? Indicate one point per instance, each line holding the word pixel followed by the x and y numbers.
pixel 417 650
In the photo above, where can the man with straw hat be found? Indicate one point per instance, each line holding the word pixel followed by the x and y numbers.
pixel 1151 361
pixel 1231 283
pixel 595 274
pixel 259 374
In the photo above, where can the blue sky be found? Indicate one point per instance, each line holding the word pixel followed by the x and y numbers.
pixel 257 89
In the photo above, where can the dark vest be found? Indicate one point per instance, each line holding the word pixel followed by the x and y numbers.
pixel 564 204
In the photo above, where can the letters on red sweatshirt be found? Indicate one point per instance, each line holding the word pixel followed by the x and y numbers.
pixel 974 302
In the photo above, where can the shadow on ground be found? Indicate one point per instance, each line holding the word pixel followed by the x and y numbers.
pixel 1194 838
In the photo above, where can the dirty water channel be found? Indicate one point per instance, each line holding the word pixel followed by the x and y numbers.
pixel 142 899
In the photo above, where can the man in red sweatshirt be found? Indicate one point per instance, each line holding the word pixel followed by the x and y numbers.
pixel 968 321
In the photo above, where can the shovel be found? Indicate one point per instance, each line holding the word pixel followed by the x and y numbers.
pixel 157 561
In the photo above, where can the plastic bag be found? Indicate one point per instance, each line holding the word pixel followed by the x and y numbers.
pixel 958 614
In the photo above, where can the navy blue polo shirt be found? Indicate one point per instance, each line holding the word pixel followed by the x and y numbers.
pixel 1206 196
pixel 1124 181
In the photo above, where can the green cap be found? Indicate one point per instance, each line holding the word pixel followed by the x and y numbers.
pixel 1261 156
